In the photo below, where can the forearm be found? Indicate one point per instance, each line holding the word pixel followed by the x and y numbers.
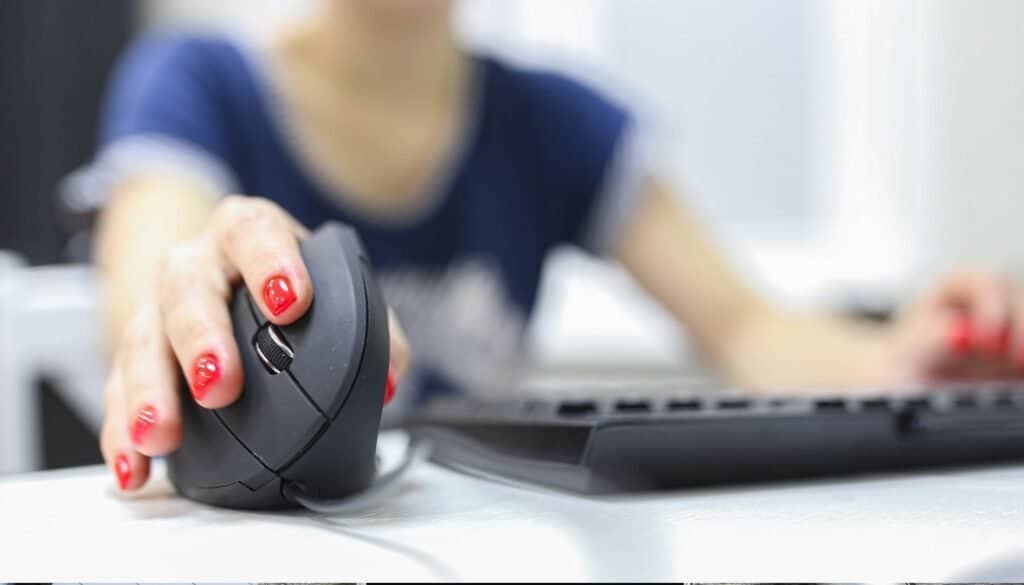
pixel 142 219
pixel 783 350
pixel 754 343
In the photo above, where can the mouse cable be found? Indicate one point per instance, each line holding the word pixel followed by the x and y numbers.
pixel 383 486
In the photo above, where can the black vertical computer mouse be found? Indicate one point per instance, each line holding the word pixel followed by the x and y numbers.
pixel 308 417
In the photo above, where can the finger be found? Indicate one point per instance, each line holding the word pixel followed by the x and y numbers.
pixel 129 467
pixel 1015 356
pixel 940 345
pixel 150 384
pixel 987 300
pixel 992 310
pixel 399 357
pixel 963 363
pixel 957 289
pixel 260 241
pixel 399 346
pixel 198 324
pixel 999 356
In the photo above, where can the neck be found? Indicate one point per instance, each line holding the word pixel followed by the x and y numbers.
pixel 396 58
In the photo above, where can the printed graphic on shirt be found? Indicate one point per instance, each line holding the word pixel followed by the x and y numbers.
pixel 460 323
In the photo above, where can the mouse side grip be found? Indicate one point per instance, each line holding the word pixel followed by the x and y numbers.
pixel 342 462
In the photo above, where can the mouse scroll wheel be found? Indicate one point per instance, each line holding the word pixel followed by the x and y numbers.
pixel 274 351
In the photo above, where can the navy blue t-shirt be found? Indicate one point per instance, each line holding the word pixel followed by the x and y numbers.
pixel 542 162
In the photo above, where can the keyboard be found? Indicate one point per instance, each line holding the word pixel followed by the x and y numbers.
pixel 641 443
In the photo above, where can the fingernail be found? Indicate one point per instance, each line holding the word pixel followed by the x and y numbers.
pixel 389 387
pixel 123 471
pixel 205 372
pixel 960 338
pixel 145 419
pixel 278 294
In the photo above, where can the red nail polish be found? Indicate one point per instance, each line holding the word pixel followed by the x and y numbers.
pixel 205 372
pixel 145 419
pixel 960 336
pixel 278 294
pixel 389 387
pixel 123 471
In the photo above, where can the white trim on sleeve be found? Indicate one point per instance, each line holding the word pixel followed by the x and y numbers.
pixel 623 189
pixel 141 154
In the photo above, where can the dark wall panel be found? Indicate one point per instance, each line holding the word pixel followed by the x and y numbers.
pixel 55 56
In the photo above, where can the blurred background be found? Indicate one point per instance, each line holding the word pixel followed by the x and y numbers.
pixel 842 153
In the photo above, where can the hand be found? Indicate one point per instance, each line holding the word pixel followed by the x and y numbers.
pixel 186 324
pixel 969 326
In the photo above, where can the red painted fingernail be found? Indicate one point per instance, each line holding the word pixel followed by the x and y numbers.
pixel 145 419
pixel 960 335
pixel 205 372
pixel 123 471
pixel 389 388
pixel 278 294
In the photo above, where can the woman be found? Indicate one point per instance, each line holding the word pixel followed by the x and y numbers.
pixel 460 173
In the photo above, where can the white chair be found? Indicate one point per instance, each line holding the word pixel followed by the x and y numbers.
pixel 49 326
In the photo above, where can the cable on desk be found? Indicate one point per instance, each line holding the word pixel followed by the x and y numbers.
pixel 418 450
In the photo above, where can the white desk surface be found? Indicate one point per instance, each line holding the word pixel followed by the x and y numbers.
pixel 73 526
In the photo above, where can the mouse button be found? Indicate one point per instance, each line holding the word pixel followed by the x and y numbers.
pixel 272 417
pixel 209 456
pixel 328 340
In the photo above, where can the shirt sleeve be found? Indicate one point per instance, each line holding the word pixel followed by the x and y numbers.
pixel 598 168
pixel 163 114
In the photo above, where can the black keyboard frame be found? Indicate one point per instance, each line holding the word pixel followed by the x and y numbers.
pixel 641 443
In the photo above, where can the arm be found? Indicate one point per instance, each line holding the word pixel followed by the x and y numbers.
pixel 143 218
pixel 761 346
